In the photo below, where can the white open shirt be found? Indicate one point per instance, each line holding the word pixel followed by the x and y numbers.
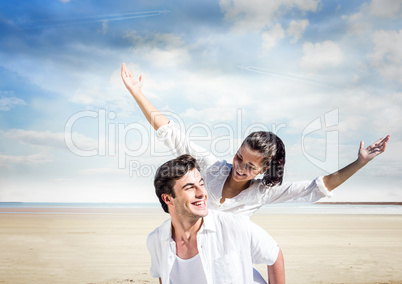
pixel 228 245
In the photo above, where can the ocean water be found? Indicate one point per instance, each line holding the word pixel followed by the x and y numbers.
pixel 75 205
pixel 281 208
pixel 311 208
pixel 72 208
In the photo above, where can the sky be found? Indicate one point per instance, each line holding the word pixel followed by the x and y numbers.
pixel 322 75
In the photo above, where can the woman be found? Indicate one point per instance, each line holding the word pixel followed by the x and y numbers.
pixel 233 187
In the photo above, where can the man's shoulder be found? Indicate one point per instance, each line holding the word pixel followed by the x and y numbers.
pixel 228 215
pixel 229 221
pixel 161 232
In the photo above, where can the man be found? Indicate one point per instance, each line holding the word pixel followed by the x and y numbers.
pixel 201 246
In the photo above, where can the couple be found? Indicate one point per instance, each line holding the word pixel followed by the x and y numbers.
pixel 219 247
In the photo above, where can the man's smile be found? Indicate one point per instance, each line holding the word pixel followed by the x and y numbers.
pixel 199 203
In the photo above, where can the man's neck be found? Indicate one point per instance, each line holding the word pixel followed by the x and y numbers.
pixel 184 233
pixel 185 228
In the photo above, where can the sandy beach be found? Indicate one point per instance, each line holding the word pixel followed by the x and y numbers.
pixel 110 248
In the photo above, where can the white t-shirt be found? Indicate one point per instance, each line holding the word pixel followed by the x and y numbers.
pixel 228 246
pixel 249 200
pixel 186 271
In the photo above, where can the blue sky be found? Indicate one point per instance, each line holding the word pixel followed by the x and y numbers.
pixel 323 75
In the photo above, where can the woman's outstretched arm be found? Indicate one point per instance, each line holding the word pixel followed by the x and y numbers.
pixel 152 114
pixel 365 155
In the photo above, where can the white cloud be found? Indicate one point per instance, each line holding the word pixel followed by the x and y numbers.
pixel 48 139
pixel 88 96
pixel 211 114
pixel 385 113
pixel 103 171
pixel 296 29
pixel 46 76
pixel 36 138
pixel 272 36
pixel 355 17
pixel 386 8
pixel 209 86
pixel 389 114
pixel 166 39
pixel 110 94
pixel 168 58
pixel 358 23
pixel 321 55
pixel 6 160
pixel 351 123
pixel 105 26
pixel 7 103
pixel 370 14
pixel 161 49
pixel 387 55
pixel 256 15
pixel 356 78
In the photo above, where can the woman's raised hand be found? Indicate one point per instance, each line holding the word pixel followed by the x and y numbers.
pixel 367 154
pixel 132 84
pixel 154 116
pixel 335 179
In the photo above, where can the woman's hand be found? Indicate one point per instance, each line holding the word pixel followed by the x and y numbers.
pixel 154 116
pixel 132 84
pixel 367 154
pixel 335 179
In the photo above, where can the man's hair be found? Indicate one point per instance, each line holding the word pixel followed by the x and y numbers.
pixel 169 172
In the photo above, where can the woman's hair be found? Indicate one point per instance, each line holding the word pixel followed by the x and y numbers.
pixel 272 149
pixel 169 172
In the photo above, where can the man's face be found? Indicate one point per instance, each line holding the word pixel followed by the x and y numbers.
pixel 191 196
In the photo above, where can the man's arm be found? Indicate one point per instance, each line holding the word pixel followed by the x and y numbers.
pixel 365 155
pixel 264 249
pixel 151 113
pixel 155 250
pixel 160 280
pixel 276 272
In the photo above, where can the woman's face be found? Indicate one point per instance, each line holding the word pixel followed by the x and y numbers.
pixel 247 164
